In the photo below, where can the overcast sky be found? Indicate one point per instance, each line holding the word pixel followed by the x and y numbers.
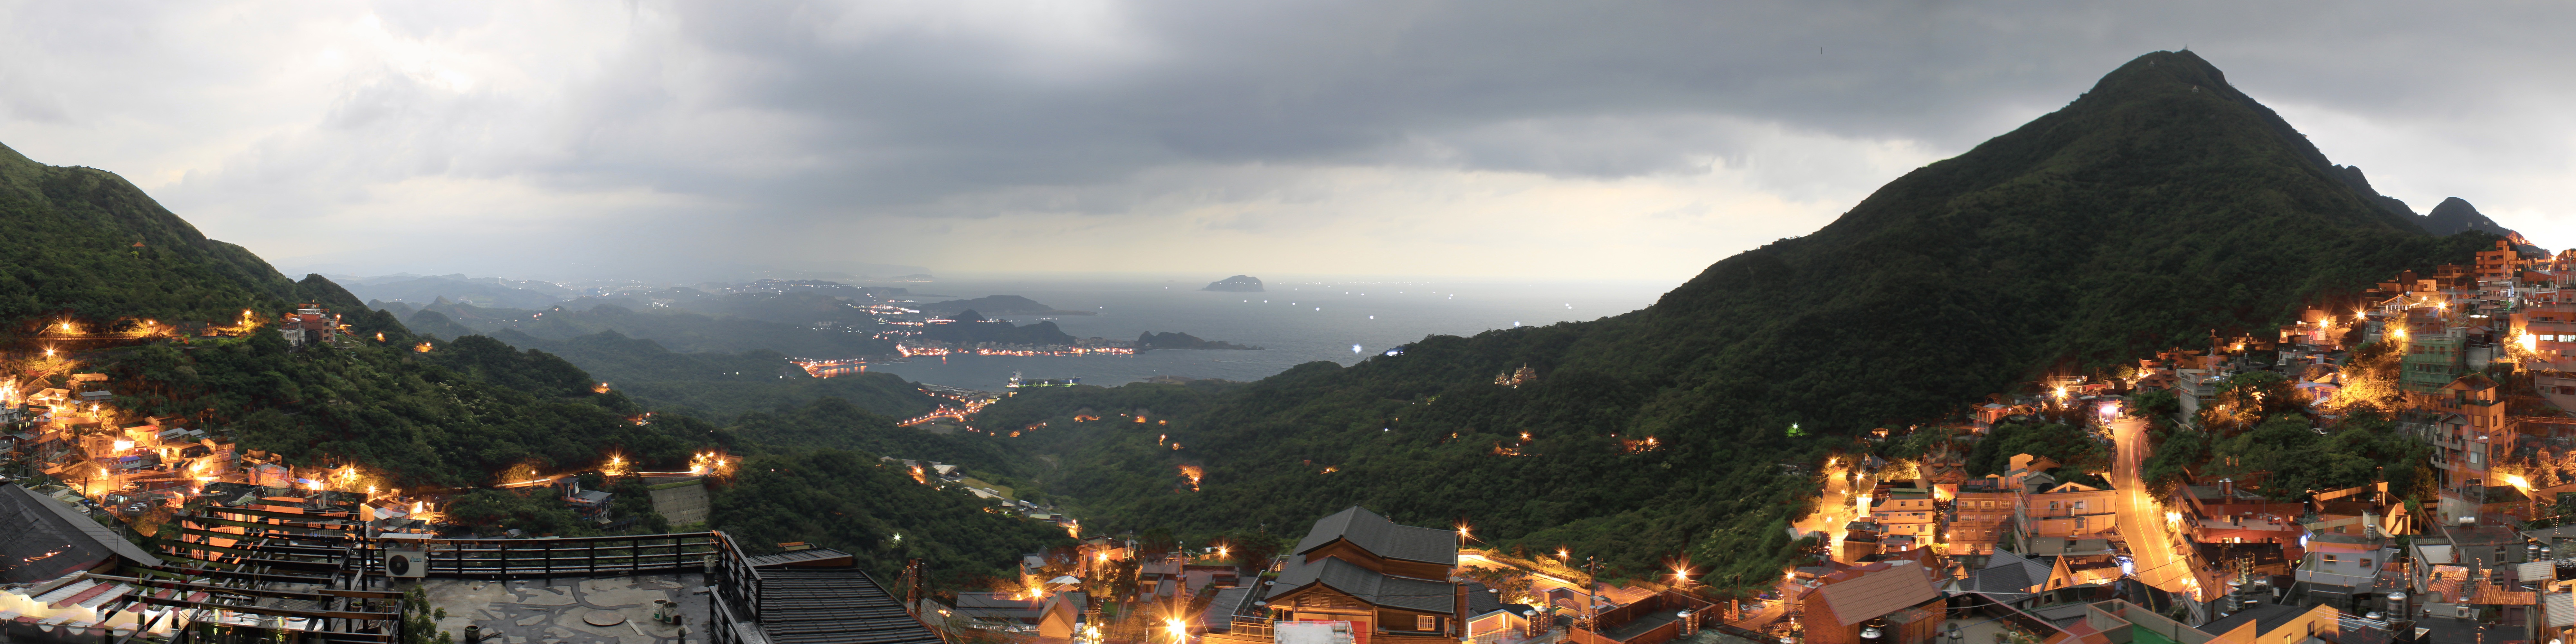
pixel 1577 140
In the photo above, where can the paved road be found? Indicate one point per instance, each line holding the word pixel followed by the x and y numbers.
pixel 1830 515
pixel 2141 523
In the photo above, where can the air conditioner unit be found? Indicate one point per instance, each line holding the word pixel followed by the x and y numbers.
pixel 406 563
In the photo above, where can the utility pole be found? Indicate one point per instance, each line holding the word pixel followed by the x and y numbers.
pixel 1591 592
pixel 912 591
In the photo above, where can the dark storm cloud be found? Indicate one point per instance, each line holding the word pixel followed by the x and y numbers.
pixel 906 112
pixel 638 127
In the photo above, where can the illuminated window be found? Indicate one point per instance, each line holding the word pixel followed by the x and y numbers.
pixel 1426 623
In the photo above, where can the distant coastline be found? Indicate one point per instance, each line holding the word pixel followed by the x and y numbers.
pixel 1152 340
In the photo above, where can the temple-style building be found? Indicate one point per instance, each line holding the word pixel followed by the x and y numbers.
pixel 1390 582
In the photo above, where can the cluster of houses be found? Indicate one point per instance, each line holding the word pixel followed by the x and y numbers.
pixel 2486 366
pixel 75 442
pixel 1357 577
pixel 114 460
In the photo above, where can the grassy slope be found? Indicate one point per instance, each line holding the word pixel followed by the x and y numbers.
pixel 2161 205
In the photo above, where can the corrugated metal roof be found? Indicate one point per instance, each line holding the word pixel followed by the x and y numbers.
pixel 1878 593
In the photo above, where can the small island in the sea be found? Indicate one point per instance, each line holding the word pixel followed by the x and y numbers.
pixel 1152 340
pixel 1236 284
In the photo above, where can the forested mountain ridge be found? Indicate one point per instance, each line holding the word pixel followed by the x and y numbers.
pixel 465 411
pixel 2158 207
pixel 2161 205
pixel 68 235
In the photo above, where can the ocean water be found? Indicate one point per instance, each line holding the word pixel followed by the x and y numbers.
pixel 1294 322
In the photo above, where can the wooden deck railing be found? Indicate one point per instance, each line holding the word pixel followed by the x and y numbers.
pixel 559 557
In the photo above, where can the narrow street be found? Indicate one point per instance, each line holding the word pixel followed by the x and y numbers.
pixel 1831 515
pixel 2142 524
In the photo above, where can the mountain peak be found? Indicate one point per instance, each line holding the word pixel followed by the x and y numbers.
pixel 2164 71
pixel 2455 215
pixel 2100 198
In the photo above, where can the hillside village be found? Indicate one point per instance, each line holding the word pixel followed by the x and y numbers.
pixel 2472 366
pixel 2148 525
pixel 2384 467
pixel 2127 510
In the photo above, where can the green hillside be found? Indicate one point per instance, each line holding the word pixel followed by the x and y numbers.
pixel 67 247
pixel 2159 206
pixel 472 407
pixel 721 386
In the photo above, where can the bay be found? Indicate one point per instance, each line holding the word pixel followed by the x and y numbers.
pixel 1294 321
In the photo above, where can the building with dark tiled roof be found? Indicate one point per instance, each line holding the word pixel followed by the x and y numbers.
pixel 811 606
pixel 1389 581
pixel 42 538
pixel 2008 578
pixel 1490 621
pixel 1000 607
pixel 1425 550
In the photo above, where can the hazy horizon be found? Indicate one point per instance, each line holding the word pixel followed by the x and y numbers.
pixel 1192 280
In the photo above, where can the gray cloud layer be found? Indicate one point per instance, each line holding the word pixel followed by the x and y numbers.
pixel 1622 140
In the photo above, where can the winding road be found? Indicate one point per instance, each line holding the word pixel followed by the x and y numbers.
pixel 2142 523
